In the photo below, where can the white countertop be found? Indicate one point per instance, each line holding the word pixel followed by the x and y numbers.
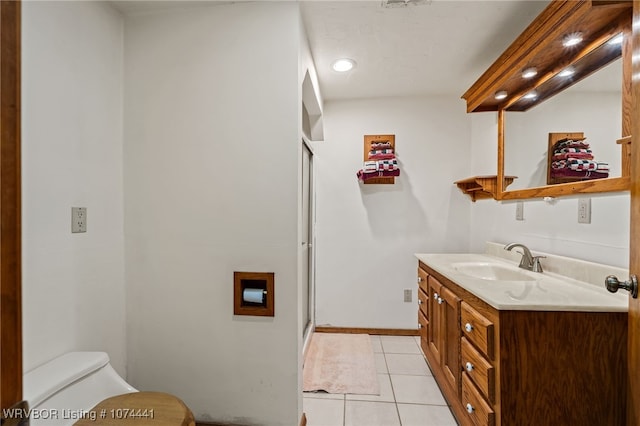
pixel 545 291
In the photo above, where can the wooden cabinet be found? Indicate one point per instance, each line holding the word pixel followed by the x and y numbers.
pixel 442 333
pixel 450 323
pixel 434 329
pixel 508 367
pixel 478 378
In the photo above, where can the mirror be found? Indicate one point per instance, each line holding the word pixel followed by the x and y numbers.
pixel 590 38
pixel 592 106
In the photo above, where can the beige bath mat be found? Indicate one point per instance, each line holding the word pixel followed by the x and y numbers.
pixel 340 363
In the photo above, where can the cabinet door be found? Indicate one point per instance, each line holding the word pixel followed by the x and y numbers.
pixel 434 330
pixel 450 318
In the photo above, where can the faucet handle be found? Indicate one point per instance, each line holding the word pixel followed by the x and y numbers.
pixel 536 266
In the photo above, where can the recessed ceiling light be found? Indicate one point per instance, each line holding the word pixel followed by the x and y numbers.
pixel 531 95
pixel 501 94
pixel 572 39
pixel 529 72
pixel 567 72
pixel 343 65
pixel 617 39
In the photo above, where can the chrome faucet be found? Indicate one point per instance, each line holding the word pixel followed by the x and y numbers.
pixel 528 261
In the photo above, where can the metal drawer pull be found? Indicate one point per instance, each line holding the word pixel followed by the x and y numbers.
pixel 469 366
pixel 470 408
pixel 419 279
pixel 419 302
pixel 435 296
pixel 439 300
pixel 468 327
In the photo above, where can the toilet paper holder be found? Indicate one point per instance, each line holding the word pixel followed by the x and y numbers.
pixel 253 293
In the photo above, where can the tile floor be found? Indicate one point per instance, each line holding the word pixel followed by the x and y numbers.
pixel 409 395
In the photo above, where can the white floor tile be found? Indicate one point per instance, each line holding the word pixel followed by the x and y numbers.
pixel 386 392
pixel 416 390
pixel 409 395
pixel 324 412
pixel 375 343
pixel 407 364
pixel 425 415
pixel 399 345
pixel 381 364
pixel 362 413
pixel 323 395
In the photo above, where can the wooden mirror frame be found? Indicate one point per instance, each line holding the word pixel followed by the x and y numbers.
pixel 538 45
pixel 613 184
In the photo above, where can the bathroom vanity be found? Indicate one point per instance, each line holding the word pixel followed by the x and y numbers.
pixel 514 347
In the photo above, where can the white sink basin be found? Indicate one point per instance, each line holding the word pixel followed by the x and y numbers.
pixel 491 271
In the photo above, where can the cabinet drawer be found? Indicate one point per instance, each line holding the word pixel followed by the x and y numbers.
pixel 478 369
pixel 475 405
pixel 423 302
pixel 423 323
pixel 422 280
pixel 478 329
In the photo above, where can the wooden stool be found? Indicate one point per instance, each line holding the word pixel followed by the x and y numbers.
pixel 139 409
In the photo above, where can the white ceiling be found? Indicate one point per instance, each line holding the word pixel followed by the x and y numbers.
pixel 440 47
pixel 437 48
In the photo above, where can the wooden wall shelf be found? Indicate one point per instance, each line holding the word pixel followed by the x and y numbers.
pixel 368 141
pixel 481 187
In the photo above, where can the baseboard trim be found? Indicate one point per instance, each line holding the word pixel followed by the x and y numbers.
pixel 380 331
pixel 303 422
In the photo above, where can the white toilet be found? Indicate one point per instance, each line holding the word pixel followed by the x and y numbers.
pixel 83 387
pixel 63 390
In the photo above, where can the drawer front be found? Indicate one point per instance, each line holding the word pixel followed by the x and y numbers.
pixel 477 329
pixel 475 405
pixel 478 369
pixel 423 322
pixel 423 302
pixel 422 280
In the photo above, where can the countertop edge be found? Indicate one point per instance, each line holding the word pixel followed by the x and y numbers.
pixel 611 302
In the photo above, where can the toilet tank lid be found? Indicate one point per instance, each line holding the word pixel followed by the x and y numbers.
pixel 42 382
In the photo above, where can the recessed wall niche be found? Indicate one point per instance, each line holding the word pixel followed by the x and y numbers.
pixel 253 293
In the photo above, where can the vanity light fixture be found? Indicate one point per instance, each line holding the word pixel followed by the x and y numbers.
pixel 531 95
pixel 568 71
pixel 572 39
pixel 501 94
pixel 617 39
pixel 343 65
pixel 529 72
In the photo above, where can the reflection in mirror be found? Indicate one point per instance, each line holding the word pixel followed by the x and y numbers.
pixel 592 106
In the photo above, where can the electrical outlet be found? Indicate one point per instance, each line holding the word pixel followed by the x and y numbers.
pixel 78 219
pixel 408 295
pixel 519 210
pixel 584 210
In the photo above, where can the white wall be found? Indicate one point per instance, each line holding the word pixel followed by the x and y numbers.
pixel 553 227
pixel 73 284
pixel 367 234
pixel 212 143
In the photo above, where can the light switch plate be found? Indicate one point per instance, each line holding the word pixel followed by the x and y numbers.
pixel 408 295
pixel 584 210
pixel 519 210
pixel 78 219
